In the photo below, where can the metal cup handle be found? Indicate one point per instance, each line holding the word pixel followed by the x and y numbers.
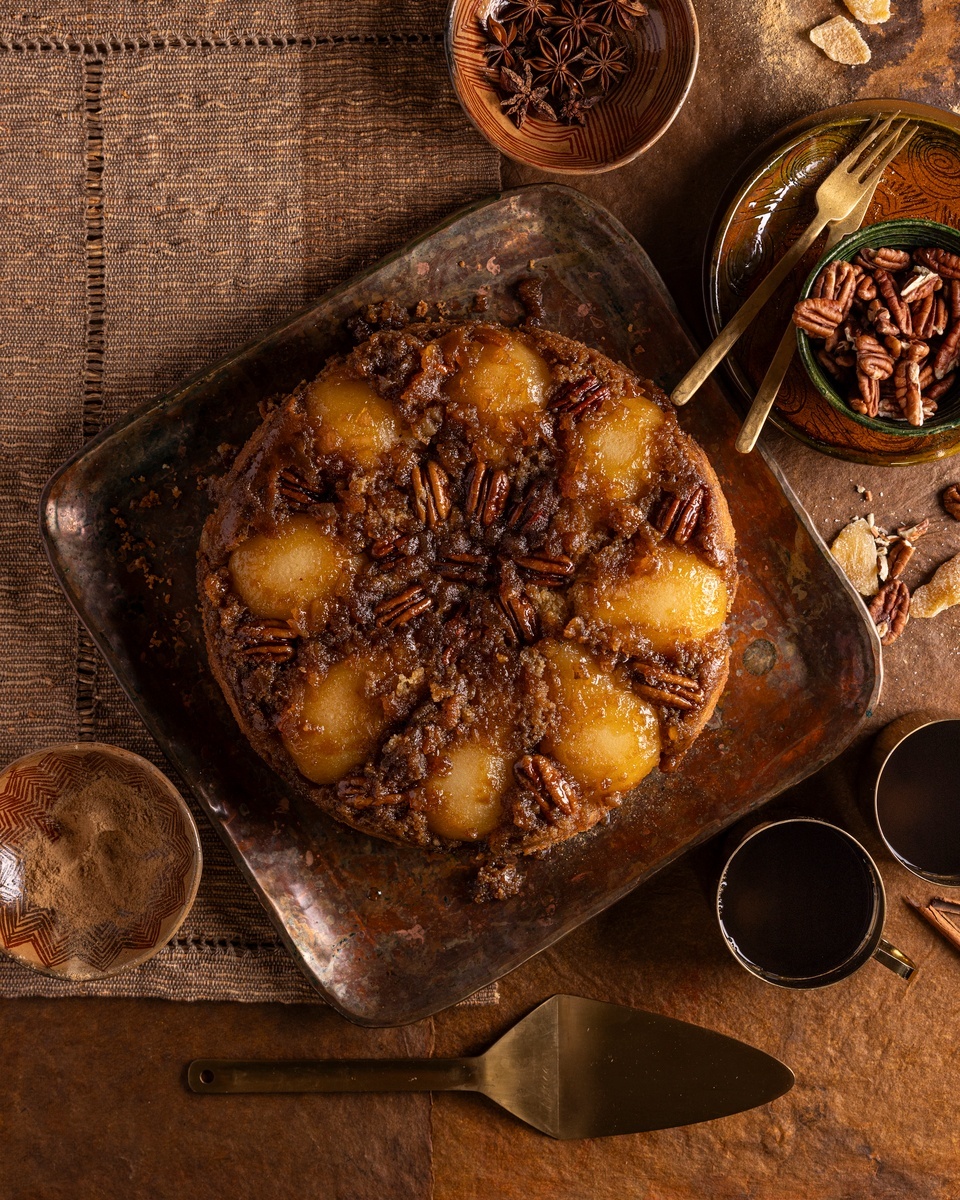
pixel 895 960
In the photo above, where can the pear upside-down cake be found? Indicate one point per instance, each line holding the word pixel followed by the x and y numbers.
pixel 469 586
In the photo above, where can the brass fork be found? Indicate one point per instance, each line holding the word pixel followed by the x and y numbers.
pixel 776 373
pixel 836 197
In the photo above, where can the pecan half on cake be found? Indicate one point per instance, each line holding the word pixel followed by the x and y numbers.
pixel 469 587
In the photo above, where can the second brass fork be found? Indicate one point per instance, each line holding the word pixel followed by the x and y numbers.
pixel 836 198
pixel 776 373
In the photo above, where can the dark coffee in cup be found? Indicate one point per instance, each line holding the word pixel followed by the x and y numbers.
pixel 801 904
pixel 918 801
pixel 798 900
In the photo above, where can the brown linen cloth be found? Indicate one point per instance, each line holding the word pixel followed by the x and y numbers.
pixel 177 179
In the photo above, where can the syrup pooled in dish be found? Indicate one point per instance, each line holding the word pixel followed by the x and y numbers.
pixel 468 587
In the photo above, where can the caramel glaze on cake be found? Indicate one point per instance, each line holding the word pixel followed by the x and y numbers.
pixel 468 587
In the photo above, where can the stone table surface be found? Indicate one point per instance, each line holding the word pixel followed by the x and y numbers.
pixel 94 1102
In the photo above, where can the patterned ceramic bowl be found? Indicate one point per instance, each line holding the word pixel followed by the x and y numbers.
pixel 906 234
pixel 99 860
pixel 662 50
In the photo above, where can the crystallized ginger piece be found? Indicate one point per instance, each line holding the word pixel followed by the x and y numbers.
pixel 855 549
pixel 840 40
pixel 943 590
pixel 870 12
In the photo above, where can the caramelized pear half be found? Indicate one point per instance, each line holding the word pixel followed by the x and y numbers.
pixel 618 455
pixel 464 804
pixel 606 735
pixel 351 419
pixel 669 595
pixel 281 573
pixel 505 383
pixel 333 726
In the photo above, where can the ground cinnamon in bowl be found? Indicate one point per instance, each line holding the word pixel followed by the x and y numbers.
pixel 99 860
pixel 104 861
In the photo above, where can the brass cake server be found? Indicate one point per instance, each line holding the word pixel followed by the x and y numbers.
pixel 572 1068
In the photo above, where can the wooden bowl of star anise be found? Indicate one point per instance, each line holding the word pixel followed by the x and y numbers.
pixel 572 86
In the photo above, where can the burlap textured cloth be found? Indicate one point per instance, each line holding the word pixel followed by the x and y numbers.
pixel 177 179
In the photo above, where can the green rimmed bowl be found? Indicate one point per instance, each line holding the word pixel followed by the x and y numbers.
pixel 905 234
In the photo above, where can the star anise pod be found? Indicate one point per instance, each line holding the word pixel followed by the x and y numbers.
pixel 619 12
pixel 575 108
pixel 501 49
pixel 522 96
pixel 554 65
pixel 604 63
pixel 525 14
pixel 576 23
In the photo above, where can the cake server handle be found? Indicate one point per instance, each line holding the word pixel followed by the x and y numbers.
pixel 226 1076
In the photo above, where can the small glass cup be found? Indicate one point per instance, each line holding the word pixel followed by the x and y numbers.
pixel 801 904
pixel 911 783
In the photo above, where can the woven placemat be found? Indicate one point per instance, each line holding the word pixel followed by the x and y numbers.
pixel 177 179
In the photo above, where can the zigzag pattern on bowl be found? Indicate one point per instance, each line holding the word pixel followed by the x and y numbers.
pixel 28 794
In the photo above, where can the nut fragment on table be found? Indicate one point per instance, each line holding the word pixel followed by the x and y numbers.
pixel 950 499
pixel 890 610
pixel 840 40
pixel 870 12
pixel 942 591
pixel 855 549
pixel 900 552
pixel 876 570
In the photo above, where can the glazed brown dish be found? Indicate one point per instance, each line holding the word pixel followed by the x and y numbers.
pixel 468 587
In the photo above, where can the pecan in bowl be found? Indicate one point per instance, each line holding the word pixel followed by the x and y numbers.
pixel 878 326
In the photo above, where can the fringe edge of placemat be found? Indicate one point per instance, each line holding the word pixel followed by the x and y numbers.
pixel 111 43
pixel 217 974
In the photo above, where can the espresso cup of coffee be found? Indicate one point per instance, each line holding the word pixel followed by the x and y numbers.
pixel 912 784
pixel 801 905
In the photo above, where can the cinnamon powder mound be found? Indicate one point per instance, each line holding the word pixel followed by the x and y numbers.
pixel 104 862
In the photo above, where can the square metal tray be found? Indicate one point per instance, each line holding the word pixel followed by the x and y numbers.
pixel 385 932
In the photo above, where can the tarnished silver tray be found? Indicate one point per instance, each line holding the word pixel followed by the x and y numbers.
pixel 388 933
